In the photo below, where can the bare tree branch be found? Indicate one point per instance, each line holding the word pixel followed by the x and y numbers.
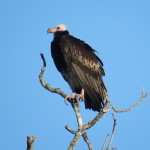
pixel 94 121
pixel 86 139
pixel 80 124
pixel 113 131
pixel 111 138
pixel 30 140
pixel 44 61
pixel 97 117
pixel 105 142
pixel 46 85
pixel 124 110
pixel 70 130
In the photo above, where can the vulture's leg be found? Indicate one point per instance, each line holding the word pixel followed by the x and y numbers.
pixel 81 95
pixel 69 97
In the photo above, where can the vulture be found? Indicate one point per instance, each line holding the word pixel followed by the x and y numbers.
pixel 79 66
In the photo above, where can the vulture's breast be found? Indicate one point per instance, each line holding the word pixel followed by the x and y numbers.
pixel 72 81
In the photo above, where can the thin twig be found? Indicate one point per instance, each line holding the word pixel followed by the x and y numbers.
pixel 113 131
pixel 44 61
pixel 86 139
pixel 30 140
pixel 124 110
pixel 114 148
pixel 70 130
pixel 105 142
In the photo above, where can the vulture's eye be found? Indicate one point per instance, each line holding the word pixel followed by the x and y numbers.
pixel 58 27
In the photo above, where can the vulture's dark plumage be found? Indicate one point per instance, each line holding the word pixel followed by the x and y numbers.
pixel 79 66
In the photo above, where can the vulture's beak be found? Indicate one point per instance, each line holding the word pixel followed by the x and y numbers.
pixel 49 30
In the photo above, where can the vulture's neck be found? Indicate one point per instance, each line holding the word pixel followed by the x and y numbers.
pixel 57 35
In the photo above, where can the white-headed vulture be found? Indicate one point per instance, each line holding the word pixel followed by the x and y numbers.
pixel 79 66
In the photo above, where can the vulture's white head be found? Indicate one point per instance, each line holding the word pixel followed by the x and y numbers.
pixel 58 28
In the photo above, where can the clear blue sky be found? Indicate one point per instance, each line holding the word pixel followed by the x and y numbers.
pixel 118 30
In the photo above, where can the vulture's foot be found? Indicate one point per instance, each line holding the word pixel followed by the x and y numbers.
pixel 80 96
pixel 69 98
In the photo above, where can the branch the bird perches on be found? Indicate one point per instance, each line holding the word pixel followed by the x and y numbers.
pixel 82 127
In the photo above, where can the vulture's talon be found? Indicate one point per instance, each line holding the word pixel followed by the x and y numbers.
pixel 69 98
pixel 80 97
